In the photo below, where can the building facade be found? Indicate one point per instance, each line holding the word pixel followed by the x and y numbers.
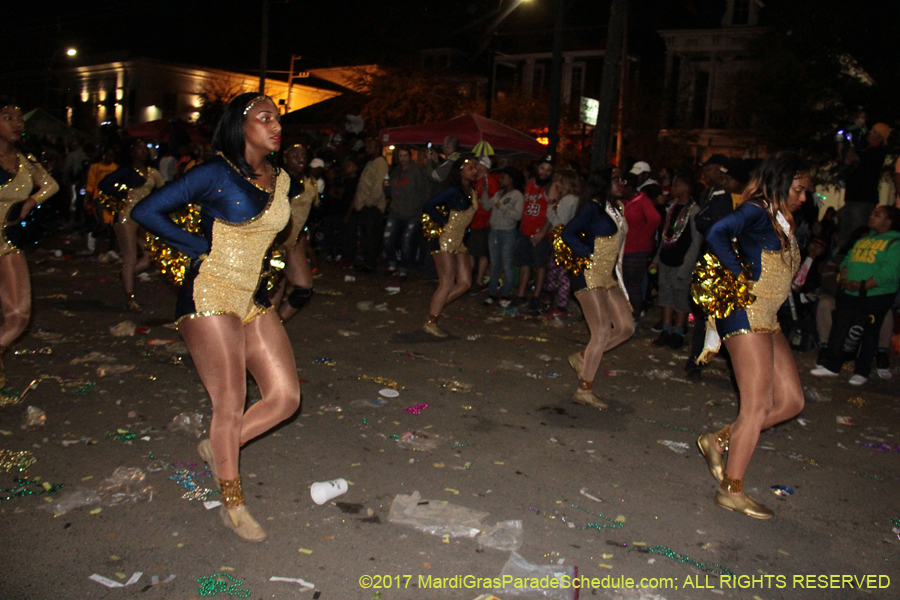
pixel 142 89
pixel 702 66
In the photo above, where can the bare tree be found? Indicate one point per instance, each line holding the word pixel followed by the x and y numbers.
pixel 214 95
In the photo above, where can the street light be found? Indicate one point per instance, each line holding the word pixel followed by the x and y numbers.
pixel 71 52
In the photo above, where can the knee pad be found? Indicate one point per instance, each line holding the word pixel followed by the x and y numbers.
pixel 300 296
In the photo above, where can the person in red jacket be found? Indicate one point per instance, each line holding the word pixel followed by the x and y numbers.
pixel 533 249
pixel 643 219
pixel 485 187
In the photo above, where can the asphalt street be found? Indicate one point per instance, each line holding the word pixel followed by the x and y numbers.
pixel 482 420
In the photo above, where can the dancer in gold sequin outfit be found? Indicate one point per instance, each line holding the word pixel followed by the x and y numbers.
pixel 764 246
pixel 597 232
pixel 223 308
pixel 125 187
pixel 451 211
pixel 24 184
pixel 297 282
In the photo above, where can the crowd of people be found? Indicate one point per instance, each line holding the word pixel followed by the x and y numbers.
pixel 733 253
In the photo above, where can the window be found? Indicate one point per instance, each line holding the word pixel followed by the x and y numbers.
pixel 577 85
pixel 741 13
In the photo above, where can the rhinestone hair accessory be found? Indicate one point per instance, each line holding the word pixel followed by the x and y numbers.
pixel 253 102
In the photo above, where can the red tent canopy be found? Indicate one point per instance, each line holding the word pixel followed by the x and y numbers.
pixel 470 129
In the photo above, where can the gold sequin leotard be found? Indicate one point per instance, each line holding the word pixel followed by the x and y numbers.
pixel 301 203
pixel 16 187
pixel 239 222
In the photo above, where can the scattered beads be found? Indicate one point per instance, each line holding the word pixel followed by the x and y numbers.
pixel 23 486
pixel 712 568
pixel 416 409
pixel 612 523
pixel 123 435
pixel 187 478
pixel 382 381
pixel 212 585
pixel 16 461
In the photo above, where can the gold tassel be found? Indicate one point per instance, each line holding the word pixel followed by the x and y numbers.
pixel 568 260
pixel 717 290
pixel 430 229
pixel 172 263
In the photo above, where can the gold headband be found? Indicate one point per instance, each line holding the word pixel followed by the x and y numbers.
pixel 253 102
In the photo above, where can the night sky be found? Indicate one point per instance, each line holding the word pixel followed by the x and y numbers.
pixel 226 34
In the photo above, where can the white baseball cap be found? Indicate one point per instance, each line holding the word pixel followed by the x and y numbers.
pixel 640 167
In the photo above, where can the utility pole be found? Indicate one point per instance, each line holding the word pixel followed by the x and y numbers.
pixel 614 37
pixel 294 57
pixel 489 101
pixel 264 48
pixel 623 77
pixel 556 80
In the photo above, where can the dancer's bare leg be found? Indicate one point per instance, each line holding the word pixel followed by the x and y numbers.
pixel 126 236
pixel 463 276
pixel 298 272
pixel 217 345
pixel 15 297
pixel 270 360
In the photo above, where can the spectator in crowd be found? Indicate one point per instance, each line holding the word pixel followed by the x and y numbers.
pixel 100 222
pixel 725 179
pixel 368 207
pixel 533 247
pixel 505 208
pixel 167 163
pixel 861 188
pixel 665 180
pixel 72 168
pixel 645 182
pixel 339 236
pixel 869 280
pixel 563 199
pixel 317 173
pixel 409 191
pixel 897 182
pixel 675 261
pixel 437 169
pixel 801 304
pixel 643 220
pixel 477 240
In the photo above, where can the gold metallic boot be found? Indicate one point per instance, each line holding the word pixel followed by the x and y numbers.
pixel 131 304
pixel 234 513
pixel 576 361
pixel 715 460
pixel 204 449
pixel 585 395
pixel 743 503
pixel 431 327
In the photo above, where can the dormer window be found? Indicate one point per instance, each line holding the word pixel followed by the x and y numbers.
pixel 741 14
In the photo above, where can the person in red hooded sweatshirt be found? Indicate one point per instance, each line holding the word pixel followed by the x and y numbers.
pixel 643 219
pixel 485 187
